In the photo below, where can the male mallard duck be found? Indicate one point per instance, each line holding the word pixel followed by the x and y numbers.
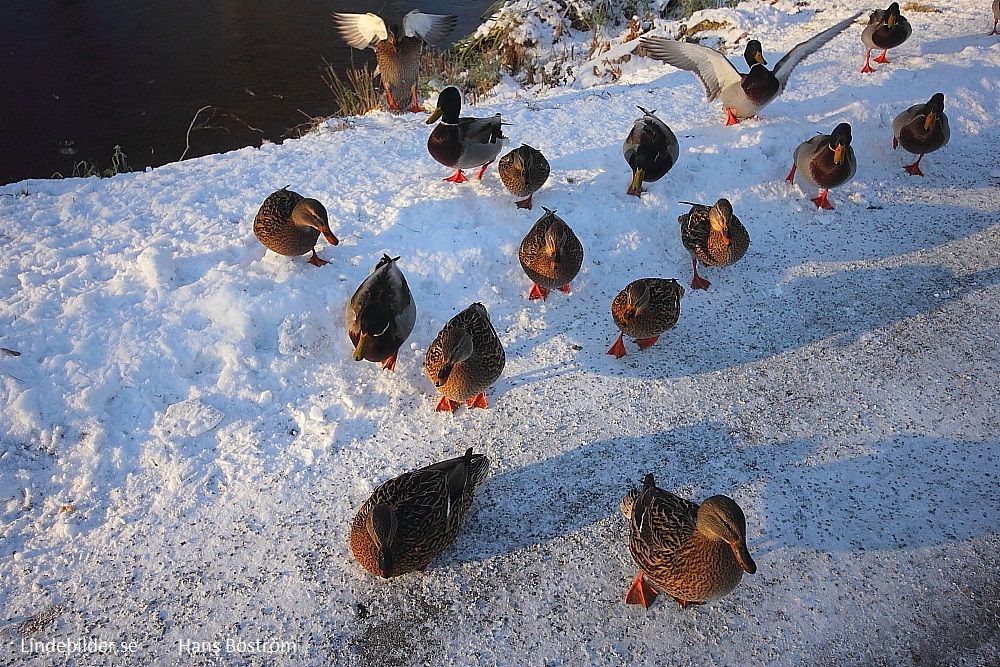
pixel 523 171
pixel 921 129
pixel 826 161
pixel 550 254
pixel 409 520
pixel 463 143
pixel 692 552
pixel 886 29
pixel 397 49
pixel 713 235
pixel 996 17
pixel 289 224
pixel 650 149
pixel 381 314
pixel 645 309
pixel 742 95
pixel 465 359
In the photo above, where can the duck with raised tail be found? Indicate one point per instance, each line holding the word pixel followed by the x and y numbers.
pixel 463 143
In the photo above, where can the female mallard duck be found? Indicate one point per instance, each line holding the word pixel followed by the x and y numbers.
pixel 465 359
pixel 289 224
pixel 523 171
pixel 397 49
pixel 921 129
pixel 645 309
pixel 886 29
pixel 713 235
pixel 742 95
pixel 462 143
pixel 381 314
pixel 692 552
pixel 650 149
pixel 409 520
pixel 550 254
pixel 826 161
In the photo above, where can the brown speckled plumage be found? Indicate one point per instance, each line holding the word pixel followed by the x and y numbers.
pixel 692 553
pixel 465 358
pixel 714 235
pixel 409 520
pixel 550 254
pixel 290 224
pixel 523 171
pixel 645 309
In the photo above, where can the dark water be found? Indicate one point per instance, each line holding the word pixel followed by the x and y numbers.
pixel 133 73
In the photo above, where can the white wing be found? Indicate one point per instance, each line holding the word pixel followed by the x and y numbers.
pixel 711 67
pixel 360 30
pixel 431 28
pixel 801 51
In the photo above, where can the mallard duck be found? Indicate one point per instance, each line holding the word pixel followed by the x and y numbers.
pixel 921 129
pixel 692 552
pixel 826 161
pixel 289 224
pixel 645 309
pixel 886 29
pixel 650 149
pixel 713 235
pixel 381 314
pixel 742 95
pixel 996 17
pixel 463 143
pixel 465 359
pixel 409 520
pixel 397 49
pixel 523 171
pixel 550 254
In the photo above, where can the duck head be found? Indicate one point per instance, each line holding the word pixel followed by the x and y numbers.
pixel 449 106
pixel 374 320
pixel 636 299
pixel 555 238
pixel 381 526
pixel 719 217
pixel 892 14
pixel 311 213
pixel 720 518
pixel 840 141
pixel 933 110
pixel 456 347
pixel 754 53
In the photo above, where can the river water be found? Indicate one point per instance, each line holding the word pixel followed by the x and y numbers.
pixel 78 77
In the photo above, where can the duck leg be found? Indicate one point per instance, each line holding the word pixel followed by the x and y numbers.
pixel 880 58
pixel 390 363
pixel 867 66
pixel 446 405
pixel 994 31
pixel 477 401
pixel 913 169
pixel 821 201
pixel 565 288
pixel 391 102
pixel 524 203
pixel 414 105
pixel 617 349
pixel 791 174
pixel 316 260
pixel 479 174
pixel 697 282
pixel 643 343
pixel 457 177
pixel 537 292
pixel 640 592
pixel 731 118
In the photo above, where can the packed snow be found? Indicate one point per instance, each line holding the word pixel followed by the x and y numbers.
pixel 184 437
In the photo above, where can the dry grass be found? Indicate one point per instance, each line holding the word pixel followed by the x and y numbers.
pixel 356 96
pixel 918 7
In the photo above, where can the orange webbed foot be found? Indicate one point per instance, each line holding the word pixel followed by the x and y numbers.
pixel 697 282
pixel 477 401
pixel 791 174
pixel 643 343
pixel 618 348
pixel 565 288
pixel 880 58
pixel 457 177
pixel 640 592
pixel 822 202
pixel 731 118
pixel 914 168
pixel 446 405
pixel 390 363
pixel 316 260
pixel 479 174
pixel 537 292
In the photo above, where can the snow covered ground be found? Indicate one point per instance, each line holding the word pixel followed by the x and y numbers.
pixel 184 437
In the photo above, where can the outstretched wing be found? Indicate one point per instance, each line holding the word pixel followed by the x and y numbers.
pixel 360 30
pixel 711 67
pixel 801 51
pixel 431 28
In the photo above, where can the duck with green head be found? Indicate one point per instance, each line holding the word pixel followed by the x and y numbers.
pixel 650 149
pixel 921 129
pixel 380 315
pixel 462 143
pixel 825 161
pixel 886 29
